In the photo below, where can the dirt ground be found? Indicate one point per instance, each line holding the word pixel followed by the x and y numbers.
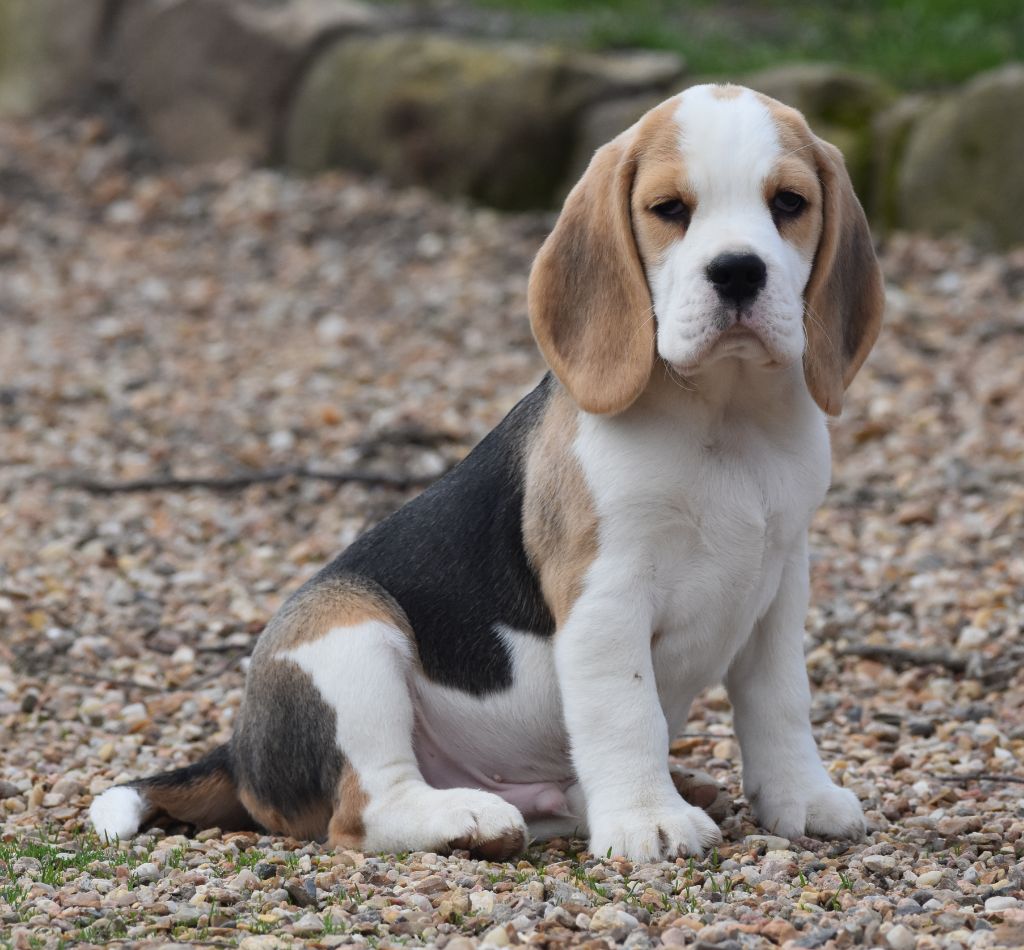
pixel 205 323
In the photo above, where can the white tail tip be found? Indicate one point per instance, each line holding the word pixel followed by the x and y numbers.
pixel 117 813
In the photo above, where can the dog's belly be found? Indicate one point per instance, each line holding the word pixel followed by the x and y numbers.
pixel 511 741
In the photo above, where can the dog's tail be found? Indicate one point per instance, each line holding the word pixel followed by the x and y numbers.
pixel 204 794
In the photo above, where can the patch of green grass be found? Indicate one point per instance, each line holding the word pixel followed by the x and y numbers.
pixel 245 859
pixel 582 876
pixel 13 894
pixel 911 43
pixel 334 926
pixel 56 858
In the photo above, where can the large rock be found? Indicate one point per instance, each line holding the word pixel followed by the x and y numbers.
pixel 890 135
pixel 839 104
pixel 47 52
pixel 963 171
pixel 212 78
pixel 493 121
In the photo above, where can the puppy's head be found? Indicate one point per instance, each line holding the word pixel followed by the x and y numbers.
pixel 717 227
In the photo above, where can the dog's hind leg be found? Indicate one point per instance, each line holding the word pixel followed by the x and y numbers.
pixel 383 803
pixel 324 742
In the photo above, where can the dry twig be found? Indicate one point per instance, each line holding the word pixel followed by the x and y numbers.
pixel 982 777
pixel 244 480
pixel 901 659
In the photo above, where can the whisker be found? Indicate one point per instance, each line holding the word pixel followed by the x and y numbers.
pixel 642 326
pixel 819 322
pixel 680 381
pixel 799 148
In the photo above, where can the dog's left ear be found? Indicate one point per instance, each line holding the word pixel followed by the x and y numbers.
pixel 590 307
pixel 845 295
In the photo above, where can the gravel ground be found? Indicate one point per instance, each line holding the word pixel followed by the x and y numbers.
pixel 206 322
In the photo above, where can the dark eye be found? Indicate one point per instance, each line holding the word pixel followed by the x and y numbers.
pixel 674 210
pixel 789 203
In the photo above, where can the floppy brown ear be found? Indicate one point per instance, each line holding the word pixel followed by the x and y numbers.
pixel 590 307
pixel 845 296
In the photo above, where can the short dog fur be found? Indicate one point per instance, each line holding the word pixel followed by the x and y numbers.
pixel 513 650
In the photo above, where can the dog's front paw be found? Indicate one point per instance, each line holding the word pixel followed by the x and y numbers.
pixel 653 833
pixel 821 810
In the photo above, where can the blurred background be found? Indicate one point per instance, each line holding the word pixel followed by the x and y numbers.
pixel 503 101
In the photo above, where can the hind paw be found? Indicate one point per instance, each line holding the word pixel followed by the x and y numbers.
pixel 429 819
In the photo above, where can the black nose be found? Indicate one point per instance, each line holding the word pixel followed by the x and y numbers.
pixel 737 277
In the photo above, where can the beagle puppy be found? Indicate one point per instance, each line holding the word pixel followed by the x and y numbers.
pixel 513 650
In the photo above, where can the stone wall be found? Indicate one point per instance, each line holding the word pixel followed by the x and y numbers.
pixel 319 83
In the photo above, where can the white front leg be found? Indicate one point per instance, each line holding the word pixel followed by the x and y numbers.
pixel 783 777
pixel 619 737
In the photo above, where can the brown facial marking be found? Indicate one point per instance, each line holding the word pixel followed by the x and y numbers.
pixel 347 829
pixel 794 172
pixel 559 522
pixel 661 174
pixel 325 604
pixel 845 294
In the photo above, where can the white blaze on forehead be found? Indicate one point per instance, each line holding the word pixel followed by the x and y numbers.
pixel 729 143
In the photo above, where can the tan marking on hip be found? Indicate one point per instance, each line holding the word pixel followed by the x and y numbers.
pixel 559 520
pixel 326 604
pixel 347 828
pixel 309 824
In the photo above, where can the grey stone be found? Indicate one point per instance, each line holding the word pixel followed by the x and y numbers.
pixel 211 78
pixel 47 52
pixel 301 893
pixel 771 842
pixel 492 121
pixel 147 873
pixel 880 863
pixel 308 925
pixel 962 170
pixel 1001 903
pixel 901 938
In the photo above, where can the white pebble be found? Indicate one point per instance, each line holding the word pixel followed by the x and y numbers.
pixel 971 638
pixel 481 902
pixel 881 863
pixel 901 938
pixel 1001 903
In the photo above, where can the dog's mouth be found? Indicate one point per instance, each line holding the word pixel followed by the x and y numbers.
pixel 739 341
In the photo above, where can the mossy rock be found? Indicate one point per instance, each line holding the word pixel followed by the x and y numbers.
pixel 47 52
pixel 211 79
pixel 963 171
pixel 890 135
pixel 492 121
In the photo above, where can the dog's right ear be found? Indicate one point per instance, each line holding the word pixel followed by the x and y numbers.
pixel 590 307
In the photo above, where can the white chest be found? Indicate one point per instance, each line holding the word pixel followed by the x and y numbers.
pixel 697 518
